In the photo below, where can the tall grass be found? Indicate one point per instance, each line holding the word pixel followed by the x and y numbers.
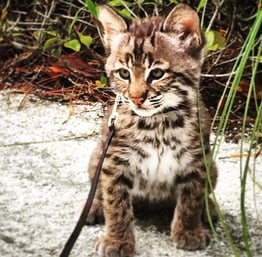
pixel 251 49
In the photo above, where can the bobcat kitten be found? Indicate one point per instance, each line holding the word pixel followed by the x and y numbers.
pixel 156 156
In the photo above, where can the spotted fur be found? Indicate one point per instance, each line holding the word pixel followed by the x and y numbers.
pixel 156 155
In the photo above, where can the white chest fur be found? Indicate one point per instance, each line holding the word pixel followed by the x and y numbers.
pixel 155 174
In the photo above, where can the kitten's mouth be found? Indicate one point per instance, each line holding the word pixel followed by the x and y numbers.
pixel 148 108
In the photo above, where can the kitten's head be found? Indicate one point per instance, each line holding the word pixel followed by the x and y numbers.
pixel 155 62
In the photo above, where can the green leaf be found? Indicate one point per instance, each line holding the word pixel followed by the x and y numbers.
pixel 85 39
pixel 125 13
pixel 17 34
pixel 201 4
pixel 49 42
pixel 215 40
pixel 51 33
pixel 56 52
pixel 74 21
pixel 73 44
pixel 175 1
pixel 117 3
pixel 103 80
pixel 140 2
pixel 92 7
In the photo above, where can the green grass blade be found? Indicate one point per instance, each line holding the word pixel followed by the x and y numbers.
pixel 238 70
pixel 246 168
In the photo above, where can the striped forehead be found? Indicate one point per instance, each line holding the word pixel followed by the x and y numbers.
pixel 138 58
pixel 138 51
pixel 142 37
pixel 146 28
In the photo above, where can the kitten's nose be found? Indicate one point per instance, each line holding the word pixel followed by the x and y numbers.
pixel 138 100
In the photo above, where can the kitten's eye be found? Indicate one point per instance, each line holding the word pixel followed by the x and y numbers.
pixel 124 73
pixel 156 74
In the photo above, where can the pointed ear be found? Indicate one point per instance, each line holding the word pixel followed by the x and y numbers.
pixel 184 22
pixel 112 25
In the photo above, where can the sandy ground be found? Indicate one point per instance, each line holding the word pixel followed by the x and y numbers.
pixel 43 183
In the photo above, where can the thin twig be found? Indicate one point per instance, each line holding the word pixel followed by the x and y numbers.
pixel 51 10
pixel 214 15
pixel 78 20
pixel 127 8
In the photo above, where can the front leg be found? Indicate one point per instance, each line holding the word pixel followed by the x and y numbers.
pixel 119 240
pixel 187 229
pixel 96 215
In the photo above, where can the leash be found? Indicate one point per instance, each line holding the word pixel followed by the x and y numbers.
pixel 82 219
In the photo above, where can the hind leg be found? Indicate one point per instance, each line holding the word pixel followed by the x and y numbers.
pixel 212 212
pixel 211 206
pixel 188 230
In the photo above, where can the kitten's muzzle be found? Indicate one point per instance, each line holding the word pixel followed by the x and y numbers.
pixel 139 100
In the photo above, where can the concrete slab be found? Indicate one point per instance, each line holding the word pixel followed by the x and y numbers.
pixel 43 183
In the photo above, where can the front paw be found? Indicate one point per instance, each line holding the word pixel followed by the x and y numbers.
pixel 191 240
pixel 111 247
